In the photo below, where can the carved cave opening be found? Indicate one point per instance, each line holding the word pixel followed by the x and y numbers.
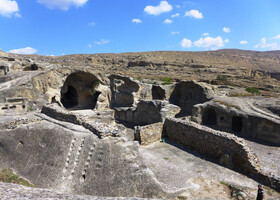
pixel 209 117
pixel 186 95
pixel 237 124
pixel 32 67
pixel 158 93
pixel 78 91
pixel 70 98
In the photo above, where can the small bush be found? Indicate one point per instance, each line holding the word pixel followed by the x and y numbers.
pixel 166 81
pixel 222 78
pixel 8 176
pixel 253 90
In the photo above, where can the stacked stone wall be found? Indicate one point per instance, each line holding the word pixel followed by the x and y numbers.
pixel 99 129
pixel 148 134
pixel 224 148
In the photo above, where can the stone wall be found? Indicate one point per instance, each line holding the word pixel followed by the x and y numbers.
pixel 100 129
pixel 146 112
pixel 148 134
pixel 224 148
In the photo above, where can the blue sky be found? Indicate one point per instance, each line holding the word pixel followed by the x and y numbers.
pixel 58 27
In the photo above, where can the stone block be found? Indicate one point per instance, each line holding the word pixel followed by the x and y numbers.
pixel 148 134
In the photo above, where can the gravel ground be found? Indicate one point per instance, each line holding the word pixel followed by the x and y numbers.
pixel 269 156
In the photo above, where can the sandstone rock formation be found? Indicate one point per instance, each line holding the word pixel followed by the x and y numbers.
pixel 81 125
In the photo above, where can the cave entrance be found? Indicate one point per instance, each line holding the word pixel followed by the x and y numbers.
pixel 186 94
pixel 237 124
pixel 158 93
pixel 209 117
pixel 79 91
pixel 70 98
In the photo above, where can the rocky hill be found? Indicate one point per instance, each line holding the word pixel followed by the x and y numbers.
pixel 222 67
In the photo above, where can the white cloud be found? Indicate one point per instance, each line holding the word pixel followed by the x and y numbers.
pixel 185 43
pixel 163 7
pixel 243 42
pixel 226 40
pixel 175 15
pixel 18 15
pixel 276 37
pixel 226 29
pixel 167 21
pixel 62 4
pixel 205 34
pixel 91 23
pixel 263 44
pixel 137 21
pixel 9 8
pixel 175 33
pixel 102 41
pixel 89 45
pixel 194 13
pixel 26 50
pixel 209 42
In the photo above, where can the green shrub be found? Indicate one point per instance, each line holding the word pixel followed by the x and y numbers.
pixel 253 90
pixel 8 176
pixel 166 81
pixel 222 78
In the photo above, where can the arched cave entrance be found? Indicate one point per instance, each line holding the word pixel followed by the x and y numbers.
pixel 237 124
pixel 78 91
pixel 209 117
pixel 186 94
pixel 158 93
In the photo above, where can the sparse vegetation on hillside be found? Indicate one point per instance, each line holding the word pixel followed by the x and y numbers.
pixel 235 193
pixel 222 78
pixel 8 176
pixel 253 90
pixel 166 81
pixel 238 94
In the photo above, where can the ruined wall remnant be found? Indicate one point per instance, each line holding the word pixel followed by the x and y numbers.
pixel 59 113
pixel 247 124
pixel 222 147
pixel 123 91
pixel 148 134
pixel 146 112
pixel 188 93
